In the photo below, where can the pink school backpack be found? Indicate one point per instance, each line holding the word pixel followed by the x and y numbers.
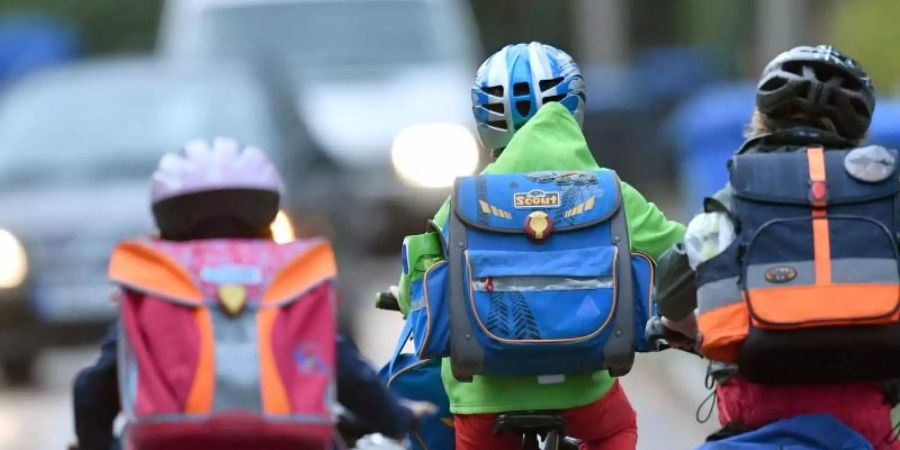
pixel 226 344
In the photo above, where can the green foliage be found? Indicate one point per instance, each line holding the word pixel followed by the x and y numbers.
pixel 108 26
pixel 867 30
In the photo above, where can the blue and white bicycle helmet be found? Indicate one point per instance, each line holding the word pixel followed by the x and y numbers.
pixel 512 85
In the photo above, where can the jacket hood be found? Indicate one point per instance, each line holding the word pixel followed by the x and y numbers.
pixel 551 140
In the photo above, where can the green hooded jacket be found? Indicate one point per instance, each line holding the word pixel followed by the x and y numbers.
pixel 551 140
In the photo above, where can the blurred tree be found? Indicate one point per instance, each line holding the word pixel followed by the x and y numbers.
pixel 867 30
pixel 724 28
pixel 108 26
pixel 502 22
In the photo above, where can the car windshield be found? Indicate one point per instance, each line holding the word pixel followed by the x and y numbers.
pixel 320 37
pixel 72 129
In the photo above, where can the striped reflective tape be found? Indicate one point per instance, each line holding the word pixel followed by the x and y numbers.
pixel 527 284
pixel 718 294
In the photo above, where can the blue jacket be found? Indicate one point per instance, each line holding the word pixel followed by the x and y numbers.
pixel 359 389
pixel 806 432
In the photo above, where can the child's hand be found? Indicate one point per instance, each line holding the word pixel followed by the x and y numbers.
pixel 686 327
pixel 681 334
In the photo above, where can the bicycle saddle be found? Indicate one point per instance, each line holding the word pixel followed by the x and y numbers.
pixel 523 422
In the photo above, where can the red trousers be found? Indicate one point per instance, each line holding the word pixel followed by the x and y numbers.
pixel 859 405
pixel 607 424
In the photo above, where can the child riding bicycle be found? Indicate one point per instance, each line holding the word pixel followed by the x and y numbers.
pixel 213 205
pixel 791 252
pixel 528 103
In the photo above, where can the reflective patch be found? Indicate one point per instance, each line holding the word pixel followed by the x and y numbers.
pixel 718 294
pixel 551 379
pixel 564 178
pixel 532 283
pixel 871 164
pixel 231 274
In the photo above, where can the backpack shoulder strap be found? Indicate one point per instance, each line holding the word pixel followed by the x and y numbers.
pixel 619 350
pixel 466 356
pixel 140 266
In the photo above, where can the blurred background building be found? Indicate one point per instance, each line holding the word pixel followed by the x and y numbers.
pixel 365 105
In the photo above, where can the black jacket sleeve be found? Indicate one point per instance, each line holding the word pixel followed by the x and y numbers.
pixel 676 284
pixel 96 397
pixel 363 393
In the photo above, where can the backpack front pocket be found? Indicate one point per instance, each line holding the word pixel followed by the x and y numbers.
pixel 546 297
pixel 429 314
pixel 849 275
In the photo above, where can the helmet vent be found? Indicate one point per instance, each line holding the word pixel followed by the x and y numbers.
pixel 495 107
pixel 547 84
pixel 803 90
pixel 498 124
pixel 860 107
pixel 523 107
pixel 794 67
pixel 824 73
pixel 850 83
pixel 553 98
pixel 773 84
pixel 496 91
pixel 521 88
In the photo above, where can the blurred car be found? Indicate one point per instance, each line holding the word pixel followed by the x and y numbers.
pixel 382 84
pixel 77 147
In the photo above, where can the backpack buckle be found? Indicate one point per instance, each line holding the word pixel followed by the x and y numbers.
pixel 233 298
pixel 818 194
pixel 538 226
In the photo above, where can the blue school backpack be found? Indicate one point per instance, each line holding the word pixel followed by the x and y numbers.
pixel 806 432
pixel 537 279
pixel 410 377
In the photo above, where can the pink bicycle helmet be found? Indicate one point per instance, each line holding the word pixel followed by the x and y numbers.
pixel 214 183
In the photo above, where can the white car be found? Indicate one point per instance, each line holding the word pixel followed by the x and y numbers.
pixel 77 147
pixel 383 85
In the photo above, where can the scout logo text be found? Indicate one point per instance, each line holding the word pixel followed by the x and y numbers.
pixel 536 198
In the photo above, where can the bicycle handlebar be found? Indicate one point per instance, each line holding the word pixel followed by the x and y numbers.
pixel 663 338
pixel 386 301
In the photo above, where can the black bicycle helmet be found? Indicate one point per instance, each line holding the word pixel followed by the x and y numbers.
pixel 818 82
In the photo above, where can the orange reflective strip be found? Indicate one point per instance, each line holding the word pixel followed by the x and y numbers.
pixel 722 331
pixel 838 304
pixel 143 267
pixel 200 398
pixel 816 157
pixel 274 396
pixel 312 267
pixel 822 247
pixel 821 235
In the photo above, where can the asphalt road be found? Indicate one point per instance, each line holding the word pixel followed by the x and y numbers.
pixel 664 388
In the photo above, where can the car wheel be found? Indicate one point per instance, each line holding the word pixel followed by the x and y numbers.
pixel 19 371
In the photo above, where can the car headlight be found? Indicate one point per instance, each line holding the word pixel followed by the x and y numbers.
pixel 432 155
pixel 282 229
pixel 14 263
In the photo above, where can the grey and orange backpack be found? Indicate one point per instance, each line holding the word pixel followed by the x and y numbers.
pixel 809 290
